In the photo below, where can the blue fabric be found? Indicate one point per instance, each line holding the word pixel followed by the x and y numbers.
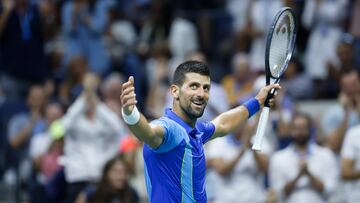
pixel 86 39
pixel 252 106
pixel 175 171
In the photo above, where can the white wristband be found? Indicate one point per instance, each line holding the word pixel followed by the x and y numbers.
pixel 133 118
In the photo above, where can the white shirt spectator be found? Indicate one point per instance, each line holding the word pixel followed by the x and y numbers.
pixel 239 11
pixel 285 166
pixel 89 144
pixel 335 115
pixel 351 150
pixel 268 10
pixel 325 22
pixel 245 183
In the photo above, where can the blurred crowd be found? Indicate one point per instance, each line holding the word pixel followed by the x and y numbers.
pixel 62 64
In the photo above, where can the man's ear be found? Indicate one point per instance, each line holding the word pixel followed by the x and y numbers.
pixel 175 91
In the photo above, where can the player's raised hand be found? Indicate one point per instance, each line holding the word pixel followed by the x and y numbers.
pixel 263 93
pixel 128 96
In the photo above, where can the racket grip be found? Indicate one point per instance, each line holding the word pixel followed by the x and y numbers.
pixel 260 131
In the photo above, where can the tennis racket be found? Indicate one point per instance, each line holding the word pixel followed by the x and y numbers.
pixel 279 48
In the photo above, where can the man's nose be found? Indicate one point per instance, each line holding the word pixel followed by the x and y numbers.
pixel 201 93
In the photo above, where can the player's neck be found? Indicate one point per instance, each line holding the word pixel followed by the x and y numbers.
pixel 179 112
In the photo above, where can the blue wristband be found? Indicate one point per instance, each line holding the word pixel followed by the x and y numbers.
pixel 252 106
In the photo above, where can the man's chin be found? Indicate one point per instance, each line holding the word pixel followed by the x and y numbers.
pixel 198 114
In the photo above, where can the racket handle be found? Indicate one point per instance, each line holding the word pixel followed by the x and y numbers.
pixel 260 131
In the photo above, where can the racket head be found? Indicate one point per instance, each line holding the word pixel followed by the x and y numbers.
pixel 280 44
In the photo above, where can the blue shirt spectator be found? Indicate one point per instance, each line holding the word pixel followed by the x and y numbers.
pixel 84 24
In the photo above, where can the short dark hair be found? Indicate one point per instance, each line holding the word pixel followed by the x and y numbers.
pixel 189 67
pixel 306 116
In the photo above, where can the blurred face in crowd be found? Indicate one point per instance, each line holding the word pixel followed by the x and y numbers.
pixel 53 112
pixel 241 67
pixel 194 94
pixel 36 97
pixel 291 71
pixel 350 84
pixel 345 53
pixel 300 131
pixel 77 67
pixel 117 175
pixel 112 90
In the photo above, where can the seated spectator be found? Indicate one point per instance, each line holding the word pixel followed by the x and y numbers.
pixel 345 113
pixel 84 24
pixel 22 55
pixel 91 139
pixel 71 87
pixel 298 85
pixel 113 185
pixel 350 165
pixel 304 171
pixel 132 150
pixel 325 21
pixel 239 84
pixel 45 148
pixel 240 169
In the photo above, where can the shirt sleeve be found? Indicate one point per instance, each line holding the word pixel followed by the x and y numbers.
pixel 207 128
pixel 75 110
pixel 172 135
pixel 16 124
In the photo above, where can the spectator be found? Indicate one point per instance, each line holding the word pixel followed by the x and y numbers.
pixel 22 61
pixel 45 148
pixel 84 23
pixel 350 165
pixel 71 87
pixel 158 80
pixel 239 84
pixel 132 150
pixel 241 169
pixel 113 186
pixel 344 61
pixel 21 129
pixel 298 84
pixel 345 113
pixel 325 20
pixel 297 172
pixel 91 139
pixel 257 29
pixel 111 89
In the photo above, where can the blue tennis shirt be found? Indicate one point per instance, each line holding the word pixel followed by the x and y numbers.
pixel 175 171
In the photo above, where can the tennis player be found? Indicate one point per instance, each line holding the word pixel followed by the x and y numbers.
pixel 173 150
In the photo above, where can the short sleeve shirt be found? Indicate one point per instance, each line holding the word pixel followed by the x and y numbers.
pixel 175 171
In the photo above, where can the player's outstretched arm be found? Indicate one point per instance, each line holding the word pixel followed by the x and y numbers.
pixel 150 134
pixel 228 121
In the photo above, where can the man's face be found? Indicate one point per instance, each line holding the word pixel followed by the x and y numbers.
pixel 194 94
pixel 36 97
pixel 350 84
pixel 300 131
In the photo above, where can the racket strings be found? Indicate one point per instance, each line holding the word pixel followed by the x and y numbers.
pixel 281 44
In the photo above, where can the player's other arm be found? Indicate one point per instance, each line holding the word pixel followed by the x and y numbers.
pixel 228 121
pixel 150 134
